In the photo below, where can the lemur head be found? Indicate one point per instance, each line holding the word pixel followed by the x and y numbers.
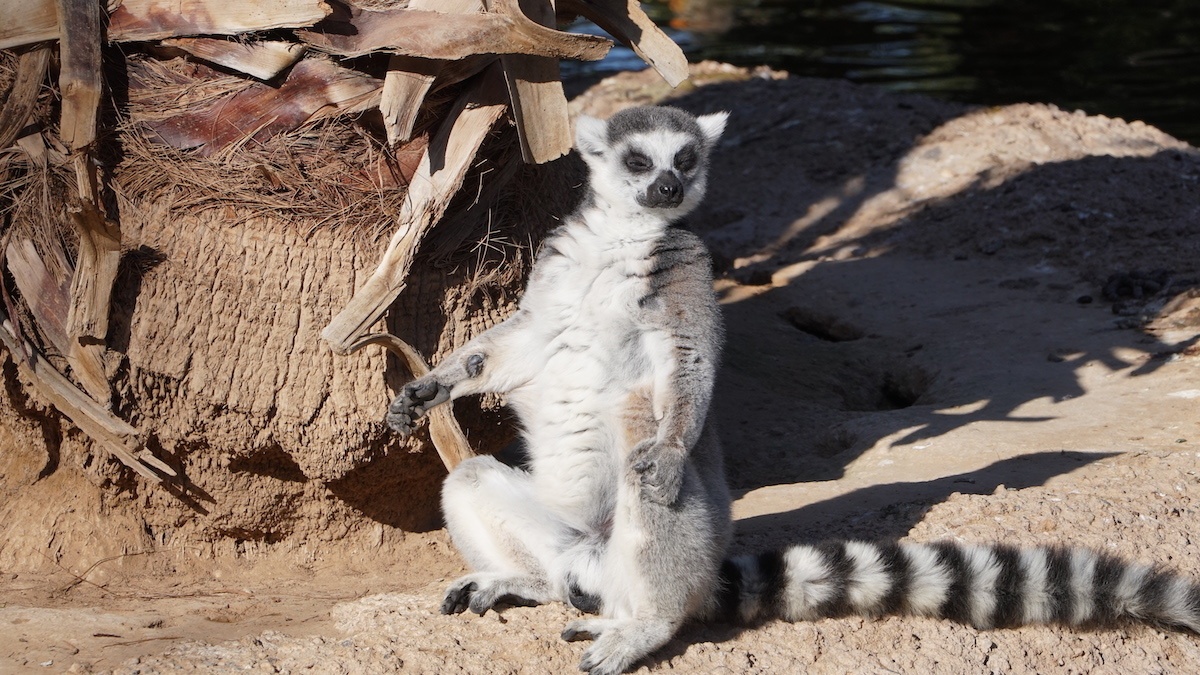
pixel 654 157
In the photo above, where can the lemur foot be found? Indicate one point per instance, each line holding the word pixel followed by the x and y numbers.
pixel 481 592
pixel 616 645
pixel 659 468
pixel 583 601
pixel 584 629
pixel 458 596
pixel 414 400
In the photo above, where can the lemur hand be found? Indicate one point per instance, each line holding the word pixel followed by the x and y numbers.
pixel 414 400
pixel 658 467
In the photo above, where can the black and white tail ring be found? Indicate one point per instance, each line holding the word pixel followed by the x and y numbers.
pixel 985 586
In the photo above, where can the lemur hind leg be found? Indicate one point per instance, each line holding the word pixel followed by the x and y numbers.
pixel 513 542
pixel 661 563
pixel 618 643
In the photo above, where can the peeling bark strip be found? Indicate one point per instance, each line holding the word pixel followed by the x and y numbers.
pixel 625 20
pixel 80 78
pixel 158 19
pixel 538 102
pixel 26 22
pixel 22 96
pixel 48 297
pixel 91 285
pixel 263 60
pixel 29 21
pixel 80 82
pixel 411 32
pixel 447 436
pixel 409 78
pixel 261 111
pixel 91 294
pixel 438 177
pixel 404 88
pixel 114 435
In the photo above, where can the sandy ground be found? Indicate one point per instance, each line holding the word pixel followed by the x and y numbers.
pixel 944 322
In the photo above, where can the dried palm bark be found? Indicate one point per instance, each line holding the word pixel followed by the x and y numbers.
pixel 231 169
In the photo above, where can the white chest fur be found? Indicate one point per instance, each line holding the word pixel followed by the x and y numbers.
pixel 584 298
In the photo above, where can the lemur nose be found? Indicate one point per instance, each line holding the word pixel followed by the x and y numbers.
pixel 666 191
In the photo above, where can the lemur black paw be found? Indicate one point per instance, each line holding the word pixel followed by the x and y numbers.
pixel 571 634
pixel 658 467
pixel 584 602
pixel 479 593
pixel 582 630
pixel 414 400
pixel 401 423
pixel 458 597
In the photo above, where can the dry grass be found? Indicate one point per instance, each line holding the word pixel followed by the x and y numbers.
pixel 32 203
pixel 334 172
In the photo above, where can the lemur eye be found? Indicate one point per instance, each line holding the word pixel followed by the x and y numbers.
pixel 638 163
pixel 685 159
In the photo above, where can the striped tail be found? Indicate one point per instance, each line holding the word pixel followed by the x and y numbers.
pixel 985 586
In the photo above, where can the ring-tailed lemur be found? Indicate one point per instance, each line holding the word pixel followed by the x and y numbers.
pixel 610 363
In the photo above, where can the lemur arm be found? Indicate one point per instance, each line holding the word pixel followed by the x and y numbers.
pixel 684 342
pixel 496 361
pixel 683 385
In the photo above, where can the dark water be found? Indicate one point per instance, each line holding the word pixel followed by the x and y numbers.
pixel 1135 59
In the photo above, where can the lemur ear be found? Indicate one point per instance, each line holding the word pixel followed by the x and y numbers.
pixel 591 135
pixel 713 125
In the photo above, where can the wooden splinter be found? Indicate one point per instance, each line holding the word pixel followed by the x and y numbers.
pixel 409 78
pixel 116 436
pixel 439 175
pixel 625 20
pixel 427 34
pixel 539 105
pixel 81 83
pixel 263 59
pixel 17 109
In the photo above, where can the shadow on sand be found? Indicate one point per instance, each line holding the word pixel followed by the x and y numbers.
pixel 959 310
